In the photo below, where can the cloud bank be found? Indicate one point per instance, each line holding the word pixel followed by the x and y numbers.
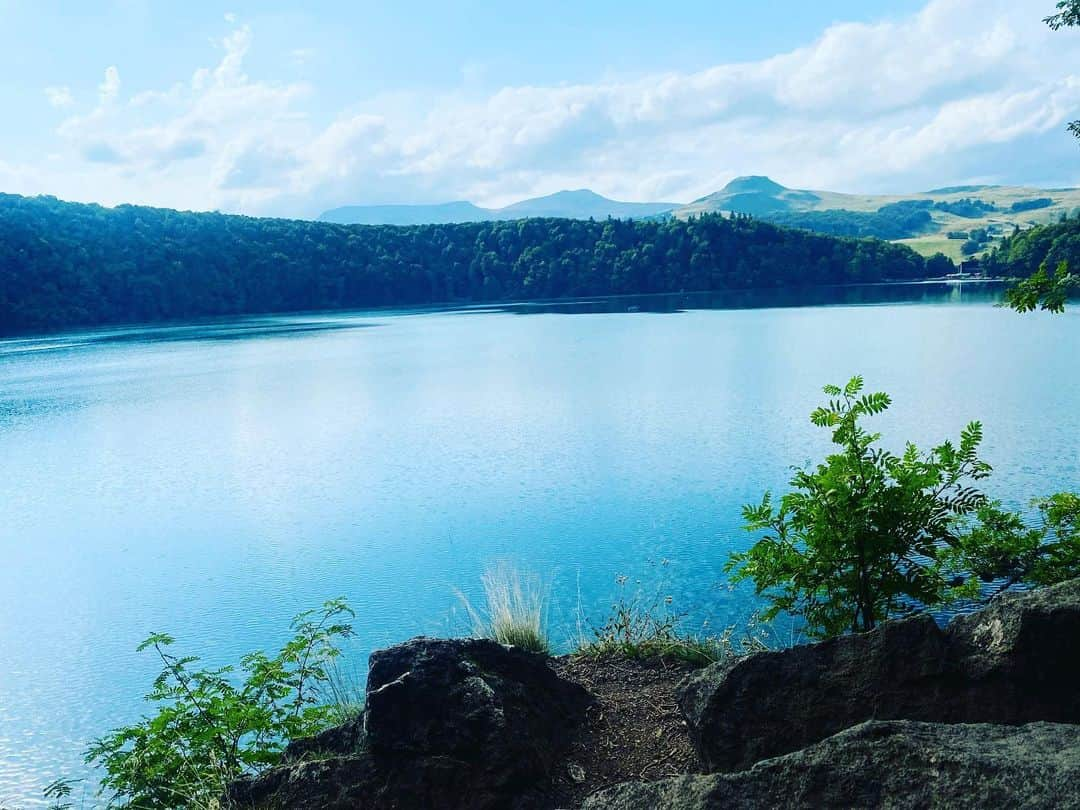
pixel 964 90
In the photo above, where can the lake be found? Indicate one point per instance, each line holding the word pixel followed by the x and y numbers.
pixel 212 480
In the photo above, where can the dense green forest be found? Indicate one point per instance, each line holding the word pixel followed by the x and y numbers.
pixel 898 220
pixel 67 264
pixel 1021 254
pixel 967 208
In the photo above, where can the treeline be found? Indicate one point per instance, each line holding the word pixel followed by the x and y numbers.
pixel 967 208
pixel 1021 254
pixel 1031 205
pixel 898 220
pixel 67 264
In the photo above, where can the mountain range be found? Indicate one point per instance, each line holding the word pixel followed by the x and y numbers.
pixel 578 204
pixel 942 220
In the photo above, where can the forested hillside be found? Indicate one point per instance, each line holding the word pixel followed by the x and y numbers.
pixel 899 220
pixel 1020 254
pixel 67 264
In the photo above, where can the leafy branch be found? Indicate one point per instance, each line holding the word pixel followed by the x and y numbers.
pixel 214 725
pixel 870 533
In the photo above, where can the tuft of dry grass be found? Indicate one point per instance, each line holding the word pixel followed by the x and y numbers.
pixel 343 691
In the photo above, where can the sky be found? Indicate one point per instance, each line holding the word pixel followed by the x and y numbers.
pixel 288 109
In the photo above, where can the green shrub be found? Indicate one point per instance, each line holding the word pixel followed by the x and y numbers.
pixel 213 725
pixel 648 628
pixel 869 534
pixel 1001 547
pixel 858 538
pixel 1058 555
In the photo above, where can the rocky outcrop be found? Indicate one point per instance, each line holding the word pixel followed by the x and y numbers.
pixel 894 764
pixel 1015 662
pixel 472 700
pixel 447 723
pixel 775 702
pixel 1020 657
pixel 983 713
pixel 332 782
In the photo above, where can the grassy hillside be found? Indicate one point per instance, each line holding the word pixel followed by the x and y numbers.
pixel 767 199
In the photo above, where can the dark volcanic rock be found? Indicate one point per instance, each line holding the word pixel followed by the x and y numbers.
pixel 447 723
pixel 348 738
pixel 895 764
pixel 775 702
pixel 1015 662
pixel 1021 657
pixel 365 781
pixel 470 699
pixel 334 782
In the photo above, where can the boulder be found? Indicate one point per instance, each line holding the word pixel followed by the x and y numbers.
pixel 469 699
pixel 896 764
pixel 772 703
pixel 1020 657
pixel 1014 662
pixel 447 723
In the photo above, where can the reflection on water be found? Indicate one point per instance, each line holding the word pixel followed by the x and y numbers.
pixel 236 329
pixel 928 292
pixel 212 480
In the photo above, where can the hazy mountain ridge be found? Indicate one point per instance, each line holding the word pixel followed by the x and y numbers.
pixel 576 204
pixel 436 214
pixel 931 221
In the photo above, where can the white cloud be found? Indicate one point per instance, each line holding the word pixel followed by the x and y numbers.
pixel 109 89
pixel 59 96
pixel 863 107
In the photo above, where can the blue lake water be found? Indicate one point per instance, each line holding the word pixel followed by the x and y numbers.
pixel 213 480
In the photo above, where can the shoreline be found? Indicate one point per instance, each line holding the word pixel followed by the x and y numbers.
pixel 94 334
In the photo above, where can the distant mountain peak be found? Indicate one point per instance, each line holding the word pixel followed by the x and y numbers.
pixel 753 184
pixel 572 196
pixel 405 214
pixel 580 203
pixel 580 193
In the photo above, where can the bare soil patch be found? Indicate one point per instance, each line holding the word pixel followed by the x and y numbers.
pixel 633 732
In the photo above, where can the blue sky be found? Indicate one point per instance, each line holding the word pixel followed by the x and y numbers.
pixel 289 108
